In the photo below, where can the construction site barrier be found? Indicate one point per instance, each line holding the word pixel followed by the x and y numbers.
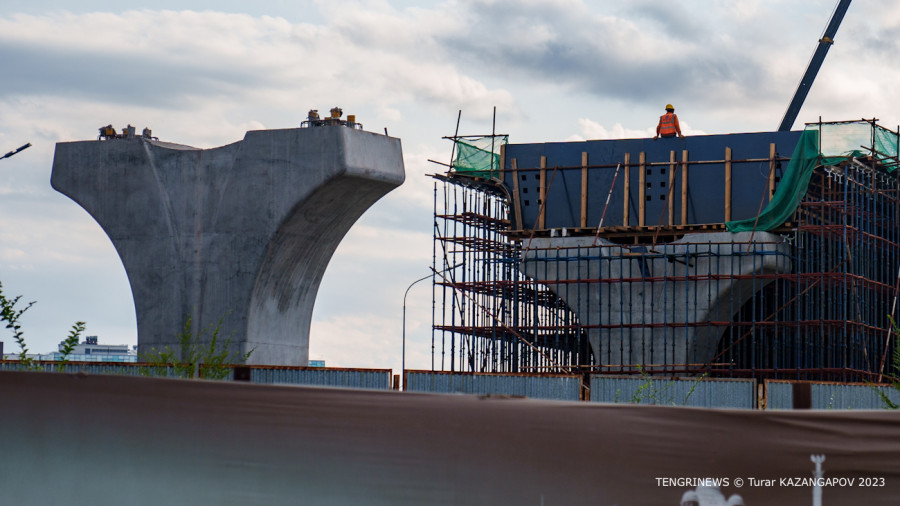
pixel 822 395
pixel 694 392
pixel 536 386
pixel 376 379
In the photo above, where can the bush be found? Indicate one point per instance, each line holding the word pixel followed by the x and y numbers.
pixel 194 359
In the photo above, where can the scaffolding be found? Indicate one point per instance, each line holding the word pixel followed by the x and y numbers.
pixel 488 316
pixel 812 298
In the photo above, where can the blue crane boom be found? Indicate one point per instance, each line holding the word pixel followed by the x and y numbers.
pixel 815 63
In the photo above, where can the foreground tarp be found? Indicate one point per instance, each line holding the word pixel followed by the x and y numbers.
pixel 70 439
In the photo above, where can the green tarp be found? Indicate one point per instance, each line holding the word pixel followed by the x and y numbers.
pixel 478 156
pixel 825 144
pixel 791 189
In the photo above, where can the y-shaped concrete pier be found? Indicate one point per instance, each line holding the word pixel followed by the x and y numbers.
pixel 241 232
pixel 660 305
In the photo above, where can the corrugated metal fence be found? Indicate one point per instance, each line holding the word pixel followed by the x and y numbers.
pixel 114 368
pixel 377 379
pixel 556 387
pixel 695 392
pixel 804 394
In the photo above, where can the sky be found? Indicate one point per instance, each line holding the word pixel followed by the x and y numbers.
pixel 203 73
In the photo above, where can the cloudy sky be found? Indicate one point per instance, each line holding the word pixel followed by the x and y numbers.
pixel 203 73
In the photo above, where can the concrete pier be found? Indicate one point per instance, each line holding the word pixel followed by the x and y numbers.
pixel 240 233
pixel 654 305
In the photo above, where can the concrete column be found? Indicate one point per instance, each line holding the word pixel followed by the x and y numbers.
pixel 646 300
pixel 241 233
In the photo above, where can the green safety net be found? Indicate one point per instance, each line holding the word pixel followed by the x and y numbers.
pixel 479 156
pixel 821 144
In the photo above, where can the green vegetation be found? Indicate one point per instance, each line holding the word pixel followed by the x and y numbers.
pixel 193 359
pixel 10 315
pixel 68 346
pixel 650 392
pixel 895 362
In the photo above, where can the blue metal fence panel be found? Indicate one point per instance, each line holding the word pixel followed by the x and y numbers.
pixel 833 396
pixel 556 387
pixel 112 368
pixel 118 369
pixel 705 181
pixel 780 395
pixel 375 379
pixel 701 393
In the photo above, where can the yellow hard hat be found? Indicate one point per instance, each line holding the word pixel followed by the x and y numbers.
pixel 669 106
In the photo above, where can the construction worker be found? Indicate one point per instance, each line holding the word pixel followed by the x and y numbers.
pixel 668 124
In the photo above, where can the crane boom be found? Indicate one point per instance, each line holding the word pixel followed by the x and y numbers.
pixel 815 63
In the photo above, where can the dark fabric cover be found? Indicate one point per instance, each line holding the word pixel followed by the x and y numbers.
pixel 75 439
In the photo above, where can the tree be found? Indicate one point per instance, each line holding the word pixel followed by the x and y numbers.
pixel 10 315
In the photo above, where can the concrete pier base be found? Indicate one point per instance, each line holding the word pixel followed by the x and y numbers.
pixel 240 233
pixel 660 305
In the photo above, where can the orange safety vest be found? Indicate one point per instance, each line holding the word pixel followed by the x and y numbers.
pixel 667 124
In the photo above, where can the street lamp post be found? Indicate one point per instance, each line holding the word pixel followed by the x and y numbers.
pixel 7 155
pixel 403 359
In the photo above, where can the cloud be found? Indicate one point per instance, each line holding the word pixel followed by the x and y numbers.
pixel 203 78
pixel 371 340
pixel 660 50
pixel 154 58
pixel 377 243
pixel 355 340
pixel 593 130
pixel 173 60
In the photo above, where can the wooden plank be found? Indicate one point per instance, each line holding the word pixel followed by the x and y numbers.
pixel 684 186
pixel 642 179
pixel 502 161
pixel 627 191
pixel 584 189
pixel 772 164
pixel 542 217
pixel 727 184
pixel 720 162
pixel 670 192
pixel 517 202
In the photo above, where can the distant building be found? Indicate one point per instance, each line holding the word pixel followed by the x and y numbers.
pixel 88 351
pixel 92 351
pixel 33 356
